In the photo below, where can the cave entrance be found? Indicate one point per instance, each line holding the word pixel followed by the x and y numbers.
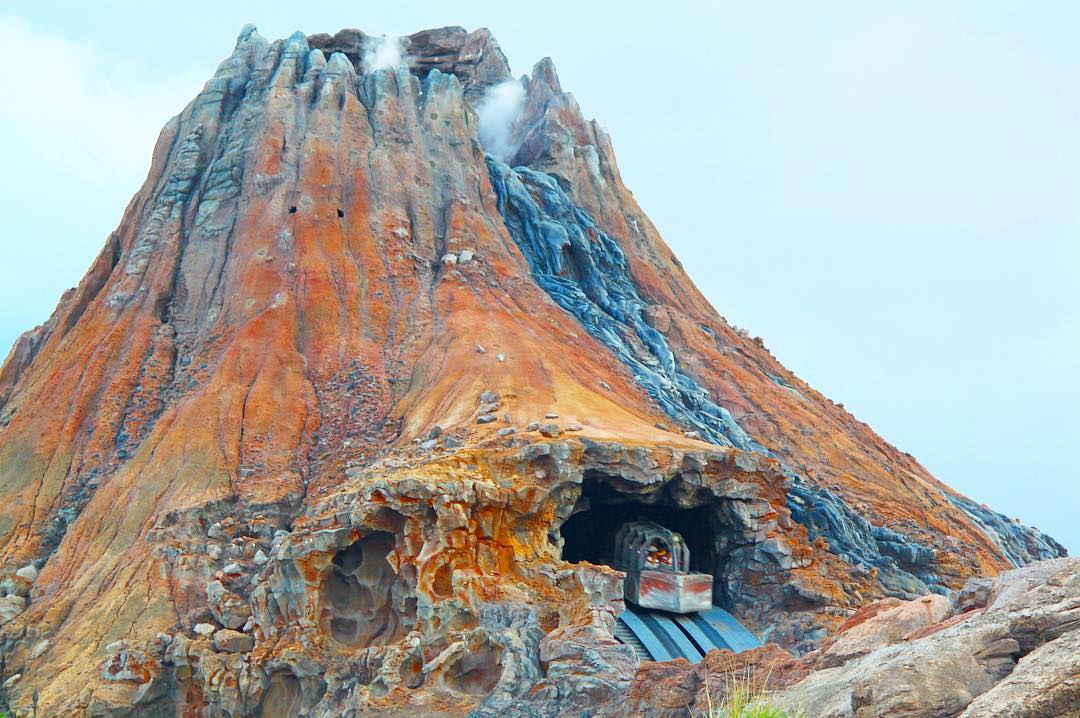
pixel 607 502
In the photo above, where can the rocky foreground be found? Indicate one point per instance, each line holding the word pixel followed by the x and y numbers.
pixel 1007 647
pixel 336 422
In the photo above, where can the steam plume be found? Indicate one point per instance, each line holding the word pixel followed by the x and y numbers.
pixel 497 111
pixel 383 52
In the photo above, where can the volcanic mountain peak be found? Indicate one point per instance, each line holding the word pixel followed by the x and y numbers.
pixel 344 381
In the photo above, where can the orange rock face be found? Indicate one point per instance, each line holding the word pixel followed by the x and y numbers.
pixel 293 400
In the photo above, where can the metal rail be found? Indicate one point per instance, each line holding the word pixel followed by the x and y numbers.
pixel 666 636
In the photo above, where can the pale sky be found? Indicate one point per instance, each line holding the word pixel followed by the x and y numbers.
pixel 886 192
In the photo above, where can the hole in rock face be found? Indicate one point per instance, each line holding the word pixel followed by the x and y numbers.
pixel 411 672
pixel 292 210
pixel 284 698
pixel 477 671
pixel 608 502
pixel 442 583
pixel 570 259
pixel 350 559
pixel 340 214
pixel 364 603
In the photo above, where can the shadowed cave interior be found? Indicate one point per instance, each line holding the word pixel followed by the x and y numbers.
pixel 607 502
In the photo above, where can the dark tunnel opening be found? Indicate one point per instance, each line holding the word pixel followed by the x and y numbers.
pixel 668 612
pixel 602 508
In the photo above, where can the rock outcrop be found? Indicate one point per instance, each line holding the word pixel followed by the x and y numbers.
pixel 1003 648
pixel 1009 649
pixel 337 419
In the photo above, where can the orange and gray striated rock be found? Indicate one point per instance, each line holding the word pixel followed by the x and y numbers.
pixel 228 423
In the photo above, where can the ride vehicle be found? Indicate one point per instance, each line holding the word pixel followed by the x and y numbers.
pixel 657 565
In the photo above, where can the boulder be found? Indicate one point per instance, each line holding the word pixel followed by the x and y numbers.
pixel 937 675
pixel 15 585
pixel 129 665
pixel 230 641
pixel 233 569
pixel 1016 657
pixel 678 689
pixel 1045 683
pixel 206 630
pixel 10 607
pixel 661 689
pixel 886 628
pixel 29 572
pixel 229 609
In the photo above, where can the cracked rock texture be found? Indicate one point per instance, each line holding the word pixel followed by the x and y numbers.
pixel 1013 653
pixel 1006 648
pixel 316 431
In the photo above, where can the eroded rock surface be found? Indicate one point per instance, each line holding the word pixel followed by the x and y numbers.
pixel 337 420
pixel 1014 653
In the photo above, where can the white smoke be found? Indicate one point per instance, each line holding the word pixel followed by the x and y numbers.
pixel 497 111
pixel 383 52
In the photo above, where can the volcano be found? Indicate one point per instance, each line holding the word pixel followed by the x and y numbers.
pixel 339 418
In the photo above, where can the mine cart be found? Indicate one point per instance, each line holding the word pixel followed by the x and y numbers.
pixel 657 565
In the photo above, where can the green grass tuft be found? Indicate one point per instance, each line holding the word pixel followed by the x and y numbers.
pixel 744 697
